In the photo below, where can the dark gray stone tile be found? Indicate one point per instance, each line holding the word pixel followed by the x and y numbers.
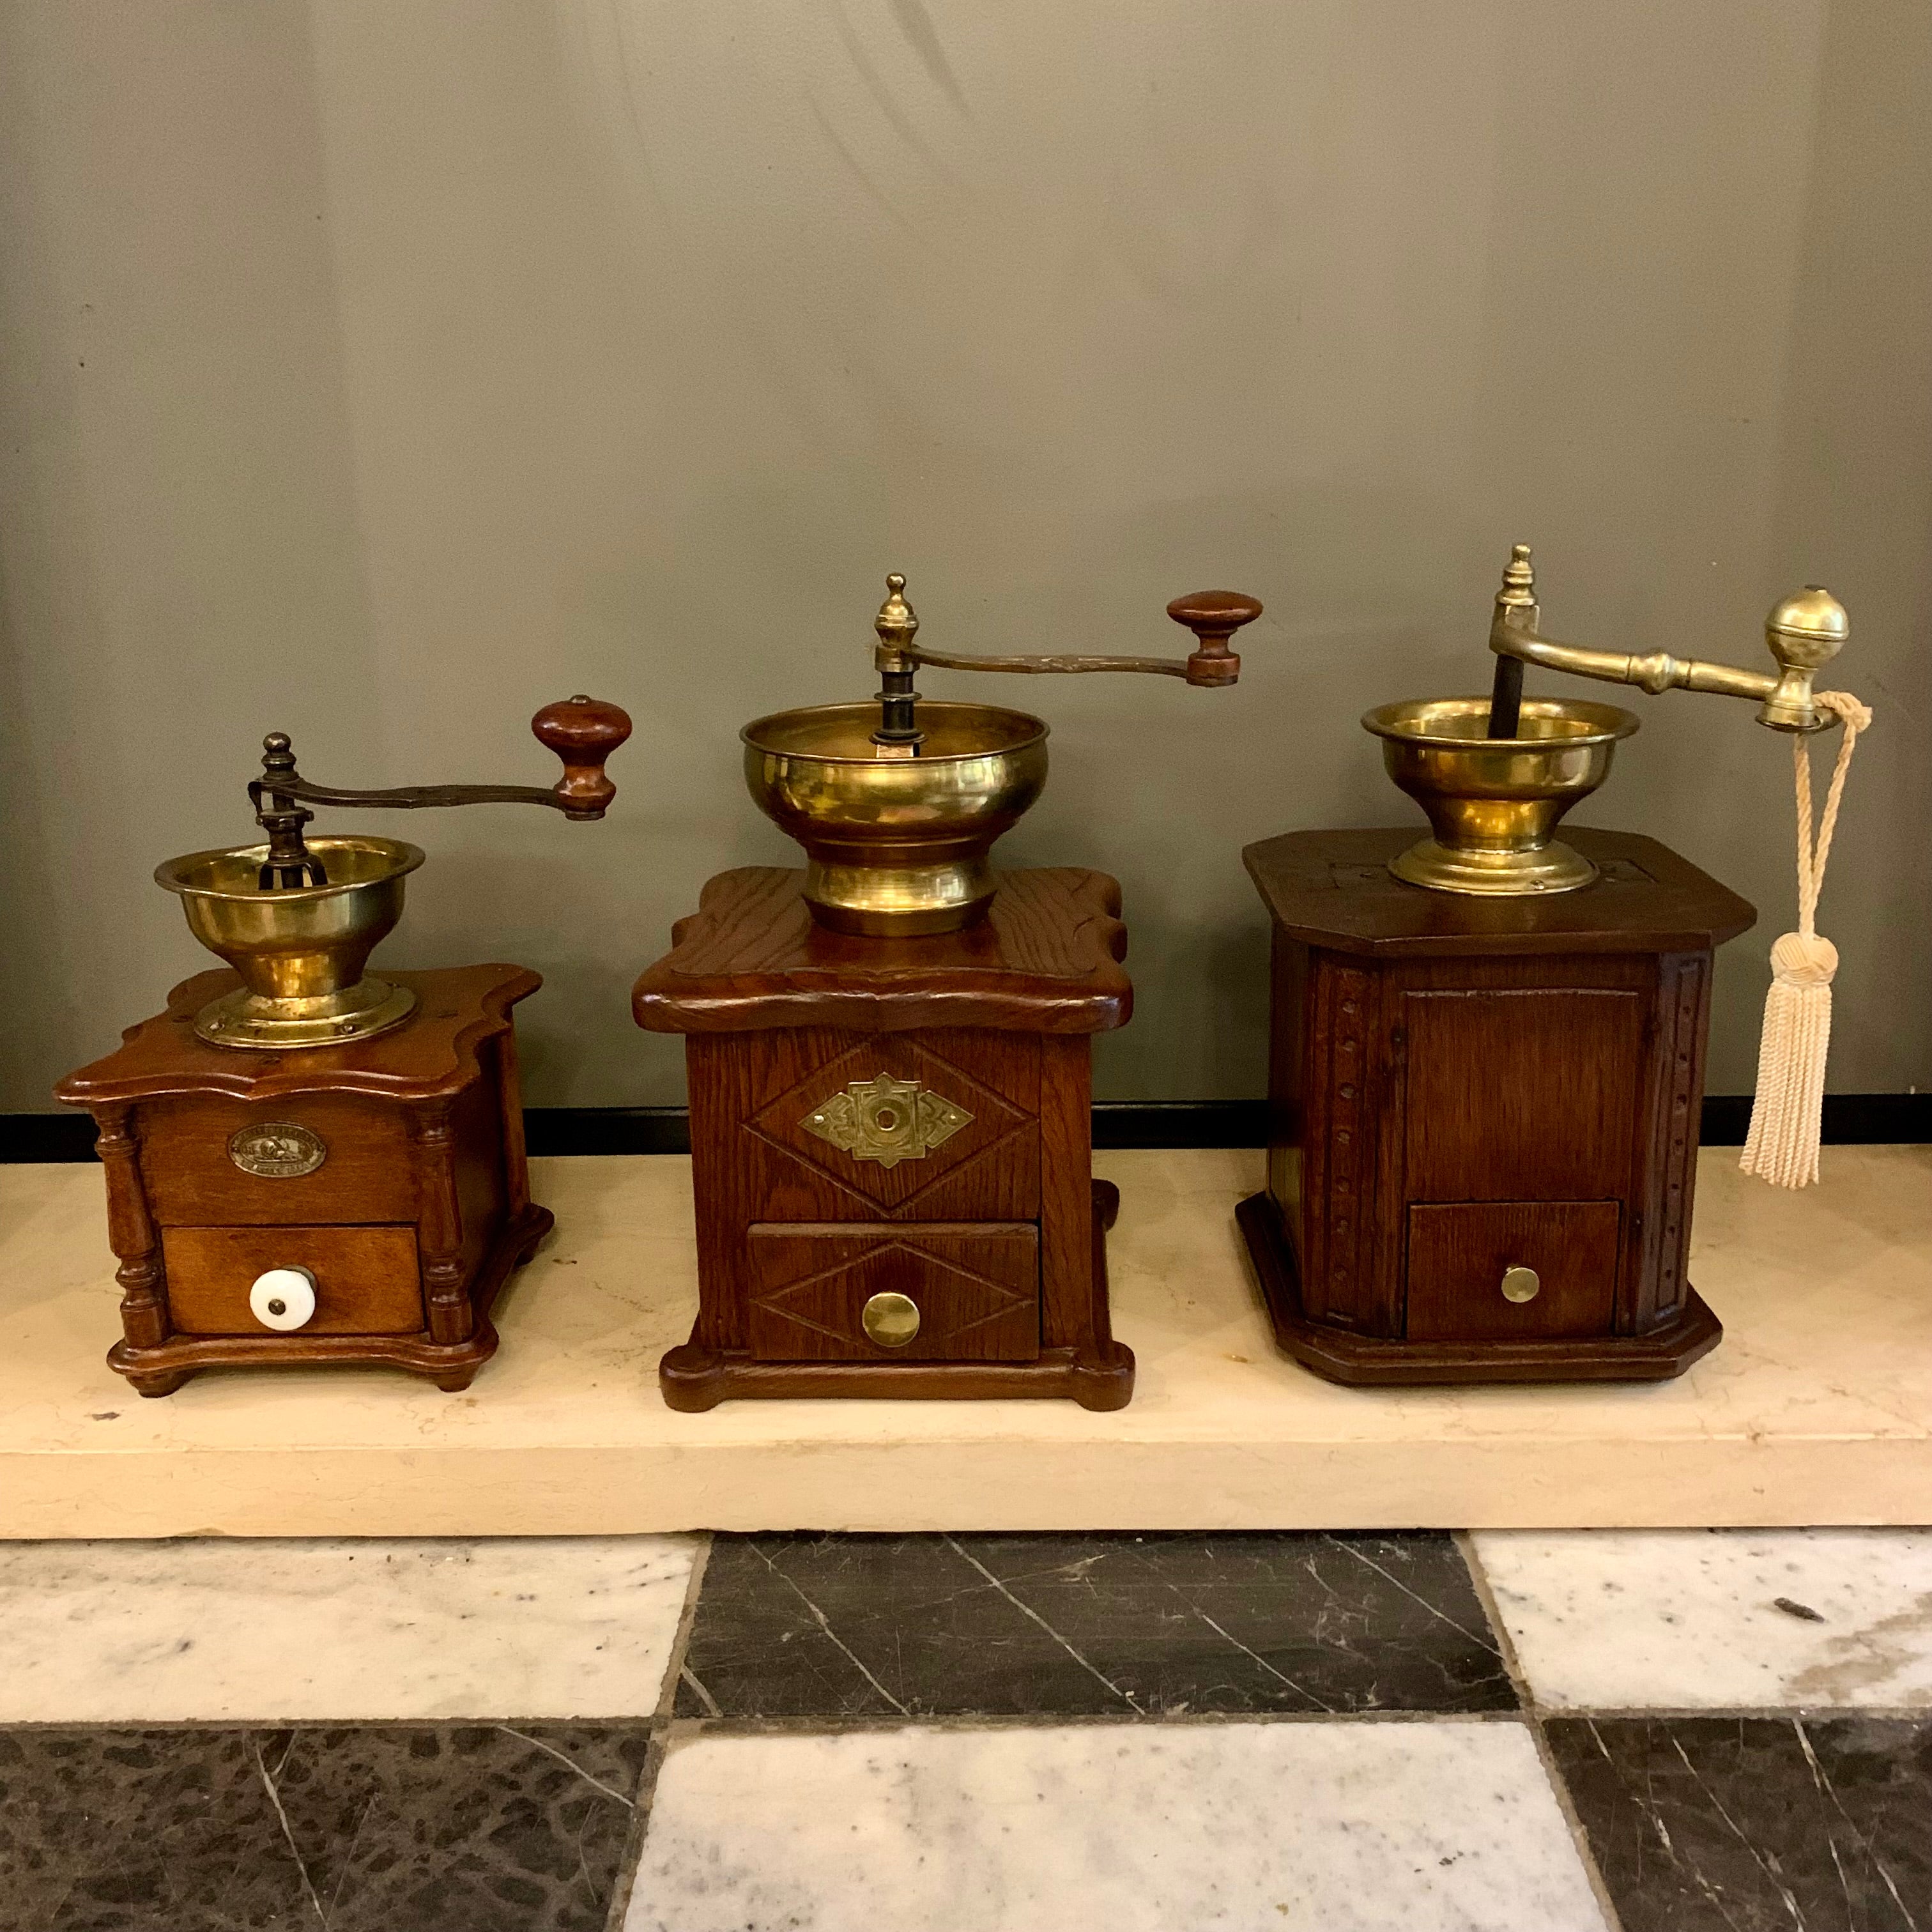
pixel 1054 1625
pixel 368 1829
pixel 104 1830
pixel 1749 1824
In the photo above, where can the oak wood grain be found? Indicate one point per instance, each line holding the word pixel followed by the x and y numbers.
pixel 435 1050
pixel 421 1207
pixel 781 1017
pixel 1045 959
pixel 1379 1361
pixel 1458 1251
pixel 976 1285
pixel 366 1175
pixel 1429 1054
pixel 367 1282
pixel 1333 889
pixel 1518 1092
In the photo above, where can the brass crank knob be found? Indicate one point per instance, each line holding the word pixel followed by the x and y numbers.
pixel 583 732
pixel 891 1319
pixel 1520 1284
pixel 1214 617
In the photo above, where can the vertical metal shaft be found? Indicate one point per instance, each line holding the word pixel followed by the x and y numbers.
pixel 1506 698
pixel 898 703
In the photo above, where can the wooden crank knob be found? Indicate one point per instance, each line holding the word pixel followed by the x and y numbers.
pixel 583 732
pixel 1214 617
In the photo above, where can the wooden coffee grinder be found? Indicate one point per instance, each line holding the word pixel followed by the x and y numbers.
pixel 1487 1047
pixel 888 1057
pixel 307 1163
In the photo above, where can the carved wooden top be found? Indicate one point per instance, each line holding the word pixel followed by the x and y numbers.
pixel 1334 890
pixel 1044 959
pixel 432 1054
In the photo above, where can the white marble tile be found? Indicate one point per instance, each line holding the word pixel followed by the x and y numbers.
pixel 1690 1619
pixel 1252 1828
pixel 110 1632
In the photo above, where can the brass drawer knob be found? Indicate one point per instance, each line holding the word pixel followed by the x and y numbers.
pixel 282 1298
pixel 1520 1284
pixel 891 1320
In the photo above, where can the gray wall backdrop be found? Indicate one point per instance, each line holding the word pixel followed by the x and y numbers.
pixel 378 369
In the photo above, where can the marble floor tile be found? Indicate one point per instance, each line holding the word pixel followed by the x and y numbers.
pixel 271 1631
pixel 1729 1619
pixel 1342 1827
pixel 817 1625
pixel 380 1829
pixel 1756 1824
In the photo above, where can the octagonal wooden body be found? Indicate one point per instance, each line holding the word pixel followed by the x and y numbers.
pixel 1458 1087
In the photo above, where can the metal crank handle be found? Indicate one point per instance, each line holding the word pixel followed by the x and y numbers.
pixel 583 732
pixel 1803 633
pixel 1213 616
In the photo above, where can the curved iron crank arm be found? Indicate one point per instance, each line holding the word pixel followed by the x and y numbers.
pixel 582 731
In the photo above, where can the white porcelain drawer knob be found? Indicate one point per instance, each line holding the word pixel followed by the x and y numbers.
pixel 283 1298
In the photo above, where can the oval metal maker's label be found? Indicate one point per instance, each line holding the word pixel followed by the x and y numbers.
pixel 278 1150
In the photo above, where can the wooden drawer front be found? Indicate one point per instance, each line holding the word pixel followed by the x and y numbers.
pixel 1458 1252
pixel 367 1281
pixel 976 1285
pixel 367 1172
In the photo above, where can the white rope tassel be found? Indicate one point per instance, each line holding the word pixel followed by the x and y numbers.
pixel 1786 1116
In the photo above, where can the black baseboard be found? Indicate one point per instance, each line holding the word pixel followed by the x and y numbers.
pixel 549 1130
pixel 1851 1119
pixel 46 1137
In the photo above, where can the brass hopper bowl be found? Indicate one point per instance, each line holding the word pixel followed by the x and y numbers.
pixel 299 917
pixel 301 952
pixel 1494 803
pixel 897 802
pixel 894 845
pixel 1496 775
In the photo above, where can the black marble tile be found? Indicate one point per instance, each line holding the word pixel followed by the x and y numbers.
pixel 816 1625
pixel 369 1828
pixel 1749 1824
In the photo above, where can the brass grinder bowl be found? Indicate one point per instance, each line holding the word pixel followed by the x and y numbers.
pixel 1494 803
pixel 894 845
pixel 301 952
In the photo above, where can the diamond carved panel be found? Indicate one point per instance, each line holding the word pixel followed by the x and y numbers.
pixel 976 1291
pixel 797 1120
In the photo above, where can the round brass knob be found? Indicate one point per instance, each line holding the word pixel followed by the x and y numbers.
pixel 1520 1284
pixel 891 1320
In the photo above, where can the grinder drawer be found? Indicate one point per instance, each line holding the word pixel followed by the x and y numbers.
pixel 1512 1271
pixel 367 1280
pixel 934 1292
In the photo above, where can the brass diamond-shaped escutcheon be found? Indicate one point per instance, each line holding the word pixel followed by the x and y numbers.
pixel 887 1120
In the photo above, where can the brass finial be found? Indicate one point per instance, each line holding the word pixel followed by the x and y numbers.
pixel 1814 615
pixel 896 621
pixel 1519 578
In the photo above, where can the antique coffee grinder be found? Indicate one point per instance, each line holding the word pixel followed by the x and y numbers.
pixel 305 1162
pixel 888 1056
pixel 1487 1047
